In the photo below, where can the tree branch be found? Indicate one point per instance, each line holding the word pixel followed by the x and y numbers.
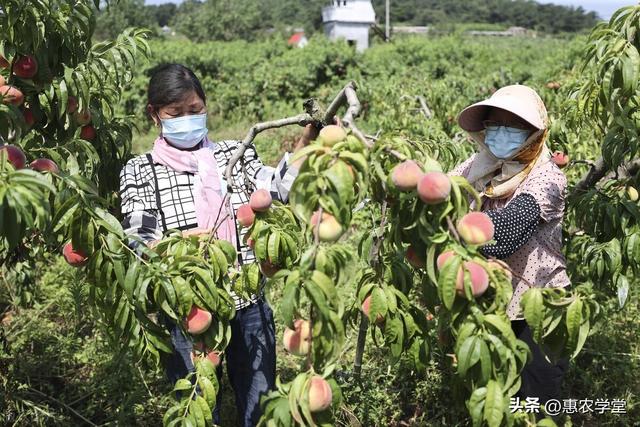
pixel 599 170
pixel 313 114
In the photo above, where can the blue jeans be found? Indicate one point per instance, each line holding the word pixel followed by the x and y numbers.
pixel 250 359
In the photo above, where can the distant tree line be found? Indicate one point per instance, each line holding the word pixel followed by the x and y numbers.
pixel 248 19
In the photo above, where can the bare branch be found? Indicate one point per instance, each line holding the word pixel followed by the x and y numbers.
pixel 301 119
pixel 595 173
pixel 343 98
pixel 599 170
pixel 424 107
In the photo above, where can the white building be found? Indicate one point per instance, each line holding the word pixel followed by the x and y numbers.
pixel 350 20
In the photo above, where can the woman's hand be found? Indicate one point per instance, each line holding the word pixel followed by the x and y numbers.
pixel 309 133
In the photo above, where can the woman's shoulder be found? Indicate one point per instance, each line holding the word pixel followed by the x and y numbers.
pixel 226 147
pixel 548 172
pixel 137 167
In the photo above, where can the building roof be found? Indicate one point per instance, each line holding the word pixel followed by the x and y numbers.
pixel 296 38
pixel 351 11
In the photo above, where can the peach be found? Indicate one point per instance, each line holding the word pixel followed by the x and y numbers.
pixel 560 159
pixel 405 176
pixel 246 216
pixel 329 230
pixel 332 134
pixel 366 307
pixel 214 357
pixel 72 105
pixel 269 269
pixel 88 133
pixel 44 165
pixel 476 228
pixel 443 257
pixel 82 118
pixel 15 156
pixel 320 395
pixel 260 201
pixel 297 341
pixel 73 257
pixel 11 95
pixel 197 321
pixel 29 119
pixel 251 243
pixel 632 194
pixel 414 258
pixel 26 67
pixel 479 278
pixel 498 265
pixel 3 82
pixel 434 188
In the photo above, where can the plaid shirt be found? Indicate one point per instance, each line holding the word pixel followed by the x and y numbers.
pixel 156 198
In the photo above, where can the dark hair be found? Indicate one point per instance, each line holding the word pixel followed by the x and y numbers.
pixel 171 83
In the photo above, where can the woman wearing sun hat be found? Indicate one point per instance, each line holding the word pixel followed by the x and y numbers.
pixel 522 191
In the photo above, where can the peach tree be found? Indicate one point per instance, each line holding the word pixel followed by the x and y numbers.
pixel 421 246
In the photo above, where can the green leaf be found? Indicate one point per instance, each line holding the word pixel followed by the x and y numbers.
pixel 494 404
pixel 447 281
pixel 468 354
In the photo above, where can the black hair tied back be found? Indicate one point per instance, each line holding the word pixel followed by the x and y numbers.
pixel 172 83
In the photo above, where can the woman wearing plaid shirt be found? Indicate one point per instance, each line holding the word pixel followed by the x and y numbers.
pixel 180 185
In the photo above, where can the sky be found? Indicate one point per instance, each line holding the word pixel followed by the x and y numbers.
pixel 604 8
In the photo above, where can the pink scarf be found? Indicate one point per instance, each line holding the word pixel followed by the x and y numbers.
pixel 209 203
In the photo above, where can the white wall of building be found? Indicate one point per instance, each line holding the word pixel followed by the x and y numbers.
pixel 353 32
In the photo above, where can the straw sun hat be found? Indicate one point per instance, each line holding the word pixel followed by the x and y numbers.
pixel 520 100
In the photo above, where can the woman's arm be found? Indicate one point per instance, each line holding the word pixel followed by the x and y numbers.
pixel 138 206
pixel 514 225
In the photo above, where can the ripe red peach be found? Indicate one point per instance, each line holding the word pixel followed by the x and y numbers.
pixel 478 275
pixel 476 228
pixel 366 307
pixel 11 95
pixel 297 341
pixel 72 105
pixel 15 155
pixel 44 165
pixel 434 188
pixel 88 133
pixel 260 201
pixel 246 216
pixel 73 257
pixel 198 320
pixel 443 257
pixel 414 258
pixel 405 176
pixel 29 119
pixel 26 67
pixel 320 395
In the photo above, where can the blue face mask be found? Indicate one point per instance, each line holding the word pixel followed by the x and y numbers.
pixel 186 131
pixel 504 142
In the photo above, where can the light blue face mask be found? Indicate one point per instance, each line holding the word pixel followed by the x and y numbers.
pixel 186 131
pixel 503 141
